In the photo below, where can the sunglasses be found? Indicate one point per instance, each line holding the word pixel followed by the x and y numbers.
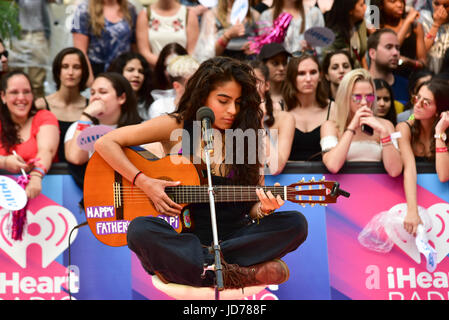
pixel 426 103
pixel 4 54
pixel 357 98
pixel 310 52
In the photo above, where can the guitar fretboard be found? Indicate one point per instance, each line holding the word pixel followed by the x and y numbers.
pixel 200 194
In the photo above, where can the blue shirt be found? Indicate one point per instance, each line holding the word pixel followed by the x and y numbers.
pixel 400 89
pixel 115 39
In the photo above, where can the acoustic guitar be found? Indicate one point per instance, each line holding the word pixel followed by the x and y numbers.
pixel 111 202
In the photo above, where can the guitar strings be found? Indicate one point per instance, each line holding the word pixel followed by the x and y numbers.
pixel 198 193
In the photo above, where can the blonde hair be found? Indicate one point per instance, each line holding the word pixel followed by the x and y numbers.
pixel 182 66
pixel 97 17
pixel 222 13
pixel 344 95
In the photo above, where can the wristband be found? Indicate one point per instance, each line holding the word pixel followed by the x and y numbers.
pixel 441 150
pixel 135 177
pixel 92 118
pixel 222 43
pixel 38 165
pixel 39 171
pixel 385 140
pixel 260 213
pixel 429 36
pixel 82 126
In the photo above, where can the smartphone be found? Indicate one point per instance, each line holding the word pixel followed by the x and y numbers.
pixel 367 130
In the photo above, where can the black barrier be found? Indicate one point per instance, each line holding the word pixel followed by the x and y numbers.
pixel 298 167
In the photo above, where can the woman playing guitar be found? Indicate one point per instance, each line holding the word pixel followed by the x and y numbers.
pixel 250 249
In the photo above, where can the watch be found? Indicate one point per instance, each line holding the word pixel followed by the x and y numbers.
pixel 441 136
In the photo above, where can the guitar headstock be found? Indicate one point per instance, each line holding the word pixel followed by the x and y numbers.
pixel 314 192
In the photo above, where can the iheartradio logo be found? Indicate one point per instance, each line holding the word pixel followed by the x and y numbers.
pixel 49 227
pixel 436 225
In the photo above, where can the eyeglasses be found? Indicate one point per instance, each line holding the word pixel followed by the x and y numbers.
pixel 310 52
pixel 426 103
pixel 15 93
pixel 4 54
pixel 357 98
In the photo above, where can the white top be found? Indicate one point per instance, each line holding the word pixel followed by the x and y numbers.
pixel 435 54
pixel 365 150
pixel 163 30
pixel 162 106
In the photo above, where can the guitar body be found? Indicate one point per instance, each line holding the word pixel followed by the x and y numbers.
pixel 111 202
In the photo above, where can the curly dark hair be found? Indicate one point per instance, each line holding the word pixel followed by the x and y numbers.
pixel 210 74
pixel 144 93
pixel 9 136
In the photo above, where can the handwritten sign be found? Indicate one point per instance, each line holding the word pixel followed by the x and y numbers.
pixel 209 3
pixel 239 10
pixel 319 36
pixel 89 136
pixel 12 196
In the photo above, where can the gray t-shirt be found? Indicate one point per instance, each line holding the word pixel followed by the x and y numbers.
pixel 31 15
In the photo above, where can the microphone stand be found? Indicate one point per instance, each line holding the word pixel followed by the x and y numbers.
pixel 218 267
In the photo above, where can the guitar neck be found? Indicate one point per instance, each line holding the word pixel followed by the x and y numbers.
pixel 222 193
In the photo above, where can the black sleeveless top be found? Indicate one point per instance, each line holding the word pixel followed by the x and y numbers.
pixel 407 49
pixel 306 145
pixel 231 216
pixel 63 127
pixel 418 158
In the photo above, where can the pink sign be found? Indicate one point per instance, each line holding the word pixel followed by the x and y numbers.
pixel 29 270
pixel 86 139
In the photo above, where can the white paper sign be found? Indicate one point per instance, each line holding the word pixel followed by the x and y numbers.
pixel 239 10
pixel 209 3
pixel 89 136
pixel 12 196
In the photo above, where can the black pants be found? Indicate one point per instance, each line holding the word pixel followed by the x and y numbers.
pixel 180 257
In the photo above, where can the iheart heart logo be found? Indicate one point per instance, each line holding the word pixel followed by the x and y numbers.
pixel 49 227
pixel 435 220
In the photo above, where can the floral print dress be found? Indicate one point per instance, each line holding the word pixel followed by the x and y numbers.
pixel 164 30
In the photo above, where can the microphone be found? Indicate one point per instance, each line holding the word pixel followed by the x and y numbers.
pixel 207 118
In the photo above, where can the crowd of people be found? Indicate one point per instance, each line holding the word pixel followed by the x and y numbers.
pixel 339 103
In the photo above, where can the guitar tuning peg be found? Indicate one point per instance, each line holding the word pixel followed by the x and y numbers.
pixel 302 180
pixel 323 204
pixel 323 178
pixel 303 205
pixel 312 205
pixel 312 180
